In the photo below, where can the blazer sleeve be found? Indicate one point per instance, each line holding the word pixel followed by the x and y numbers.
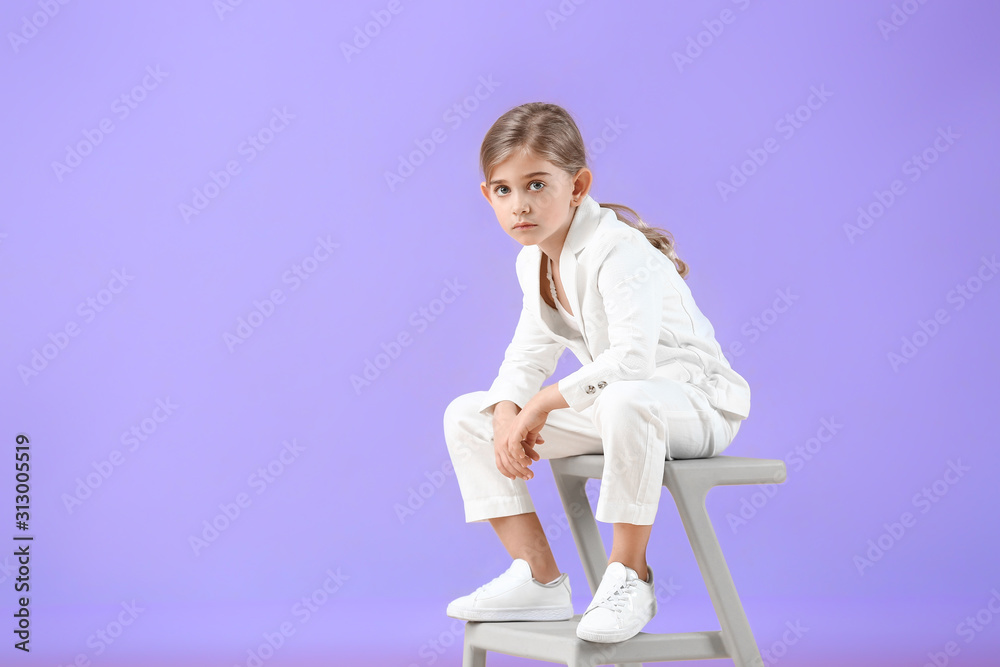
pixel 633 303
pixel 530 358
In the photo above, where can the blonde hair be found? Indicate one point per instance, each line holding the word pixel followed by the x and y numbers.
pixel 549 131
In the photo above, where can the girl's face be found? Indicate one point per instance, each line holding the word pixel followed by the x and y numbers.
pixel 533 198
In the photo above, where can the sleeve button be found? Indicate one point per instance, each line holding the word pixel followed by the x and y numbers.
pixel 589 389
pixel 602 384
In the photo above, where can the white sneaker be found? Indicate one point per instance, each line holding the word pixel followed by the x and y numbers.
pixel 622 606
pixel 516 596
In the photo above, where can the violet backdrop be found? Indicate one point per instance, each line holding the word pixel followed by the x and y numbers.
pixel 218 216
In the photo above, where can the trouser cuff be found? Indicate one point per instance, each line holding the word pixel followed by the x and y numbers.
pixel 482 509
pixel 610 511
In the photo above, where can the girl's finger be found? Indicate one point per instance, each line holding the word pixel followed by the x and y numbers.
pixel 508 469
pixel 517 470
pixel 528 448
pixel 518 465
pixel 501 467
pixel 517 460
pixel 510 463
pixel 521 455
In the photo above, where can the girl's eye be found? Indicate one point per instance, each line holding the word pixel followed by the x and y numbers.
pixel 497 188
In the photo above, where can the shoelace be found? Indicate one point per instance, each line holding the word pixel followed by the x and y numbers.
pixel 617 599
pixel 495 579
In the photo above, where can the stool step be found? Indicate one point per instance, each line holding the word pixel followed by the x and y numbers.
pixel 714 471
pixel 556 641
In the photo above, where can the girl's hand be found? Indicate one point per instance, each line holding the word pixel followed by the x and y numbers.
pixel 513 457
pixel 524 433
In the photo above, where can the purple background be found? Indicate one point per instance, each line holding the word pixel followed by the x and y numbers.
pixel 366 453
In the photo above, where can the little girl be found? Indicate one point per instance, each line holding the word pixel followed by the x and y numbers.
pixel 654 385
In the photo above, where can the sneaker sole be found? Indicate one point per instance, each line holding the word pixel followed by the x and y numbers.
pixel 537 614
pixel 612 637
pixel 606 638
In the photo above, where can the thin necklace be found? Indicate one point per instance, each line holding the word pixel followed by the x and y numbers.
pixel 552 284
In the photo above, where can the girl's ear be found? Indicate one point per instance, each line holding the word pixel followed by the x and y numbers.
pixel 582 181
pixel 486 192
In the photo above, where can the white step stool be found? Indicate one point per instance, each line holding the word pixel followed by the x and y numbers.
pixel 688 481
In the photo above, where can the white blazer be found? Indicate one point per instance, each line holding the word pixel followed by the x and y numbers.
pixel 638 318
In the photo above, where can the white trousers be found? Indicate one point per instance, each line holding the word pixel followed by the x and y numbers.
pixel 636 424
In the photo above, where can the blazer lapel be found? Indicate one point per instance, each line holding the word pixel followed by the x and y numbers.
pixel 582 227
pixel 550 320
pixel 567 274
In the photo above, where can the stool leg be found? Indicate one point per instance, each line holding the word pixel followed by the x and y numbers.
pixel 736 633
pixel 473 656
pixel 583 526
